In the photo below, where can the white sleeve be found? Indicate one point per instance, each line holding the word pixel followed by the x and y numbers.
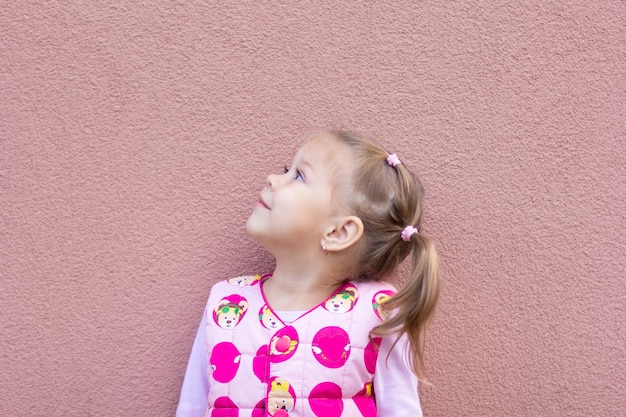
pixel 395 385
pixel 195 391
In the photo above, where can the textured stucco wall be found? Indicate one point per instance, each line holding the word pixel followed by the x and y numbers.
pixel 135 135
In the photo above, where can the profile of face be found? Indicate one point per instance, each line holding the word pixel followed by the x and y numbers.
pixel 296 206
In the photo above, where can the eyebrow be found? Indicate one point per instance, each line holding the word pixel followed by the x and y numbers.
pixel 307 165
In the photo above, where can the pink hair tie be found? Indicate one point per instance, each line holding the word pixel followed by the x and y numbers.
pixel 393 160
pixel 409 231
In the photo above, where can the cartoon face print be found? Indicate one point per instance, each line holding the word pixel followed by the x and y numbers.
pixel 379 298
pixel 281 398
pixel 229 311
pixel 224 361
pixel 325 400
pixel 343 300
pixel 245 280
pixel 331 347
pixel 268 318
pixel 283 344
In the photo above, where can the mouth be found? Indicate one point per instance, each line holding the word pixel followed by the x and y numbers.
pixel 261 203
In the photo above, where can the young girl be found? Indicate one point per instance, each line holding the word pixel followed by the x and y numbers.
pixel 322 335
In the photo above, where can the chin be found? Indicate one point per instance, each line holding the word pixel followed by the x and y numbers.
pixel 250 227
pixel 254 231
pixel 260 238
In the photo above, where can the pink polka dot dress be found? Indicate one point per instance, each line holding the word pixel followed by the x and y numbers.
pixel 322 364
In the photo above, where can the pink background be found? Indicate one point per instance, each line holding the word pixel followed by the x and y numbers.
pixel 135 136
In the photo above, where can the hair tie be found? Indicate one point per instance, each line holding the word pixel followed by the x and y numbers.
pixel 393 160
pixel 407 232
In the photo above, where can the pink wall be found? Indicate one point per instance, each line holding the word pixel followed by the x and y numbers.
pixel 134 137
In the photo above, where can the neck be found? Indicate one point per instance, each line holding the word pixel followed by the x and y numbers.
pixel 293 287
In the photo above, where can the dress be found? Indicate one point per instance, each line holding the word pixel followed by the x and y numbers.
pixel 321 364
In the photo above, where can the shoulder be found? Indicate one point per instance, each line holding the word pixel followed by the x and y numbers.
pixel 230 299
pixel 373 285
pixel 242 281
pixel 245 284
pixel 373 289
pixel 374 293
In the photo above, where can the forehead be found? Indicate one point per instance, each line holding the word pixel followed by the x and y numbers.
pixel 333 162
pixel 326 151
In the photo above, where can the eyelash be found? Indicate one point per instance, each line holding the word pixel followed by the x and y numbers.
pixel 298 173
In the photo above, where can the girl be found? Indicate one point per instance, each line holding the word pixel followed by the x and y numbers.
pixel 322 335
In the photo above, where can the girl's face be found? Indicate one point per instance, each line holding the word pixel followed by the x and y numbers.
pixel 296 207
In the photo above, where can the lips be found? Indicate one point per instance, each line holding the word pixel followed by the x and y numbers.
pixel 261 203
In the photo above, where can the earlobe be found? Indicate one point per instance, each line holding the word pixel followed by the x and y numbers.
pixel 345 232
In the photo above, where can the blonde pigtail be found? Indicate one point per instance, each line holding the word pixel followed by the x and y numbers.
pixel 412 308
pixel 387 197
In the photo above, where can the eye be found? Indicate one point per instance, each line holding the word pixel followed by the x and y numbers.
pixel 298 177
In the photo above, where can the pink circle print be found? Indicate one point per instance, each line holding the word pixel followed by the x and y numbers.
pixel 370 355
pixel 364 400
pixel 379 298
pixel 224 361
pixel 331 347
pixel 229 311
pixel 261 364
pixel 225 407
pixel 283 344
pixel 325 400
pixel 343 300
pixel 281 397
pixel 259 409
pixel 268 319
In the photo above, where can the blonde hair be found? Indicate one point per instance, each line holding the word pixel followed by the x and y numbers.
pixel 388 199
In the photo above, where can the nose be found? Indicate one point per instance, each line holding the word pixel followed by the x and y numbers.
pixel 273 180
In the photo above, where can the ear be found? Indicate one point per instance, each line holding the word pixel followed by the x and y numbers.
pixel 221 304
pixel 344 233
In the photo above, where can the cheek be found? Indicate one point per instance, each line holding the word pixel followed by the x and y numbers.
pixel 316 201
pixel 286 203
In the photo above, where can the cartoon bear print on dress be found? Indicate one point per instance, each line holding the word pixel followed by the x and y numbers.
pixel 331 347
pixel 229 311
pixel 283 344
pixel 268 319
pixel 325 400
pixel 244 281
pixel 343 300
pixel 224 361
pixel 379 298
pixel 281 398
